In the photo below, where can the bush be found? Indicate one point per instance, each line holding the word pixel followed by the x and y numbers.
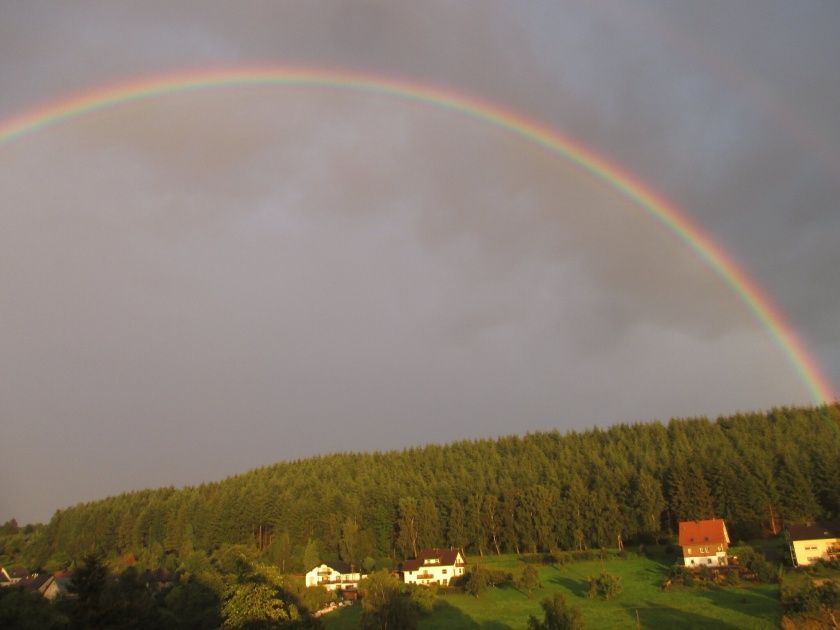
pixel 731 578
pixel 423 597
pixel 477 581
pixel 385 604
pixel 558 615
pixel 497 577
pixel 529 579
pixel 605 586
pixel 755 562
pixel 800 599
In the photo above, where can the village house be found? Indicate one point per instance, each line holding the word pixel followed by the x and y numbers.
pixel 704 543
pixel 9 577
pixel 434 566
pixel 811 543
pixel 335 576
pixel 48 585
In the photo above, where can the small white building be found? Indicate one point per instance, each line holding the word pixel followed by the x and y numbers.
pixel 434 566
pixel 704 543
pixel 811 543
pixel 337 576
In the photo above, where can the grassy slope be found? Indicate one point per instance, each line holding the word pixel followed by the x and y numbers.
pixel 754 607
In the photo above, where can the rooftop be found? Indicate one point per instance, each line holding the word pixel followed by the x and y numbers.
pixel 817 531
pixel 712 531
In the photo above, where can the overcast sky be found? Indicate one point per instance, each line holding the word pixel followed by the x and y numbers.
pixel 202 283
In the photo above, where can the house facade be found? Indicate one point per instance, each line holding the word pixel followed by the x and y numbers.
pixel 434 566
pixel 704 543
pixel 56 587
pixel 811 543
pixel 335 576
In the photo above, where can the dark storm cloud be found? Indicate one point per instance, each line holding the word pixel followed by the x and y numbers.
pixel 207 282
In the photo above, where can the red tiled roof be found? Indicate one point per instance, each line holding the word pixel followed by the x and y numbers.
pixel 711 531
pixel 446 557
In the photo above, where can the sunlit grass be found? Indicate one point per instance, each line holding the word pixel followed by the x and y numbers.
pixel 756 606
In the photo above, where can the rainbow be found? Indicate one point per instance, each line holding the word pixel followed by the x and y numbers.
pixel 661 210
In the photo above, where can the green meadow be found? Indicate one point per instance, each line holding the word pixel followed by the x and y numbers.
pixel 755 606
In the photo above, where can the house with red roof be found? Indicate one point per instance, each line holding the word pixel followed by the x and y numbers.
pixel 434 566
pixel 704 543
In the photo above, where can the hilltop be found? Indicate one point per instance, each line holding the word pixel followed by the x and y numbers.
pixel 538 492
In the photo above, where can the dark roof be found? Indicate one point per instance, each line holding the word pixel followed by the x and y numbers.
pixel 35 582
pixel 445 556
pixel 17 572
pixel 341 567
pixel 712 531
pixel 816 531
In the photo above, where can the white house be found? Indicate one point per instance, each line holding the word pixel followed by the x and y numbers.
pixel 704 543
pixel 811 543
pixel 337 576
pixel 434 566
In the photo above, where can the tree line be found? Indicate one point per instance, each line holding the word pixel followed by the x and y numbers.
pixel 540 492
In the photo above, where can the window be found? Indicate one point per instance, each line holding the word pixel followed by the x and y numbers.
pixel 708 561
pixel 444 571
pixel 692 561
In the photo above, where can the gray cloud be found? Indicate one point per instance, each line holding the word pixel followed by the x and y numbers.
pixel 206 282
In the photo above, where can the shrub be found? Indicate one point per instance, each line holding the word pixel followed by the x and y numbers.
pixel 497 577
pixel 477 581
pixel 731 578
pixel 423 597
pixel 529 579
pixel 557 615
pixel 755 562
pixel 605 586
pixel 385 604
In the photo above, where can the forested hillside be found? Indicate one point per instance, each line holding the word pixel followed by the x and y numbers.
pixel 543 491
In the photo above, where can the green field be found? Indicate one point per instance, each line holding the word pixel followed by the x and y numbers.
pixel 722 608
